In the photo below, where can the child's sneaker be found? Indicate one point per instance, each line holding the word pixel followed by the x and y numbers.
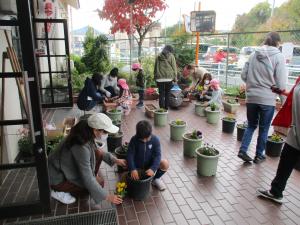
pixel 63 197
pixel 268 195
pixel 158 184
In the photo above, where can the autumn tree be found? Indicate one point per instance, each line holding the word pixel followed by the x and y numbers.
pixel 143 16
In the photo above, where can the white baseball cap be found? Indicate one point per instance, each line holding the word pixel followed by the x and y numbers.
pixel 101 121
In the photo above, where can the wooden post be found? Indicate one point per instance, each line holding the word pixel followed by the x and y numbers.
pixel 197 41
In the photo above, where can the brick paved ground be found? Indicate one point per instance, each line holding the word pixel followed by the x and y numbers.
pixel 227 198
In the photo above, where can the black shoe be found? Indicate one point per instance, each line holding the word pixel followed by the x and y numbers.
pixel 244 156
pixel 259 159
pixel 268 195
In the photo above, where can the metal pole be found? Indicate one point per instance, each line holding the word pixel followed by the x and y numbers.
pixel 226 71
pixel 130 39
pixel 197 41
pixel 273 8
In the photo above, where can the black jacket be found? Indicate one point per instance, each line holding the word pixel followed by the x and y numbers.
pixel 140 79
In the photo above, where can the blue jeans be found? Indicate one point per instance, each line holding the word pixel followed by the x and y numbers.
pixel 257 115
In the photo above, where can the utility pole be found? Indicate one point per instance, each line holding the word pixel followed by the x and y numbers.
pixel 130 2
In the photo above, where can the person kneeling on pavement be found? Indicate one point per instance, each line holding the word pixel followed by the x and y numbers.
pixel 144 152
pixel 73 167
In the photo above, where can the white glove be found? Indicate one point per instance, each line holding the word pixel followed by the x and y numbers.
pixel 108 94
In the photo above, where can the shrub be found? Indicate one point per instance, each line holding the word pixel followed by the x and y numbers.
pixel 24 143
pixel 196 134
pixel 276 138
pixel 208 150
pixel 178 122
pixel 214 106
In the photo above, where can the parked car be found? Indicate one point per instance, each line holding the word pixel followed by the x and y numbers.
pixel 295 60
pixel 244 55
pixel 203 50
pixel 212 51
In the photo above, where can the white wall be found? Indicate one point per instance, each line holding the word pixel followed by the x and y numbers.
pixel 11 108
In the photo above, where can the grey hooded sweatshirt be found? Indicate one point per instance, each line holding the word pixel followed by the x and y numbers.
pixel 266 67
pixel 293 137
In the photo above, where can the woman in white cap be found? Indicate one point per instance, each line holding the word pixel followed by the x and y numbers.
pixel 74 166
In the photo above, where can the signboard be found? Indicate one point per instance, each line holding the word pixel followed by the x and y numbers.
pixel 203 21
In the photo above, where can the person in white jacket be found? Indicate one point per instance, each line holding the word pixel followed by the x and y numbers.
pixel 109 84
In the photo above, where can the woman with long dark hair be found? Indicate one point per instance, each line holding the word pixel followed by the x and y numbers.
pixel 74 166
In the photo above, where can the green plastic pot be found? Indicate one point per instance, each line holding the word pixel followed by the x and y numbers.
pixel 212 117
pixel 230 108
pixel 206 165
pixel 200 109
pixel 160 118
pixel 177 131
pixel 114 116
pixel 190 145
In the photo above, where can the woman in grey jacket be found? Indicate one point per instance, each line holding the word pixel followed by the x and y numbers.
pixel 290 154
pixel 74 166
pixel 265 69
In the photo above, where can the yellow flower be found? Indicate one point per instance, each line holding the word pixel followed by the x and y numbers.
pixel 119 190
pixel 123 184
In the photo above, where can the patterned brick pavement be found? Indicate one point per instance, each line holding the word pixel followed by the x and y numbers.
pixel 227 198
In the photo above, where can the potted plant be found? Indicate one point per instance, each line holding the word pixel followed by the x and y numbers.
pixel 139 189
pixel 177 129
pixel 149 110
pixel 191 141
pixel 241 130
pixel 230 105
pixel 114 114
pixel 114 141
pixel 242 94
pixel 121 153
pixel 117 123
pixel 228 124
pixel 212 113
pixel 200 108
pixel 160 117
pixel 274 145
pixel 25 146
pixel 52 143
pixel 121 189
pixel 207 160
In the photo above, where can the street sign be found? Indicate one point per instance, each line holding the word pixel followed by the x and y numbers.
pixel 203 21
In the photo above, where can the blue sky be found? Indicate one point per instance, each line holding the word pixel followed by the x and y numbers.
pixel 226 10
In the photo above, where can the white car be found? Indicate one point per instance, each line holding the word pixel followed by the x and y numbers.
pixel 244 55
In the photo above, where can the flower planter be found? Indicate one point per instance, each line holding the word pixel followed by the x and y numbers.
pixel 200 109
pixel 206 165
pixel 190 145
pixel 240 133
pixel 273 149
pixel 177 131
pixel 212 117
pixel 114 141
pixel 230 108
pixel 151 96
pixel 149 110
pixel 228 125
pixel 114 114
pixel 160 118
pixel 138 189
pixel 120 155
pixel 242 101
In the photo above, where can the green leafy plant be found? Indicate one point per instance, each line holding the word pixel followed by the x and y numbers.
pixel 124 148
pixel 114 111
pixel 196 134
pixel 208 150
pixel 276 138
pixel 214 106
pixel 229 118
pixel 161 110
pixel 232 101
pixel 24 143
pixel 231 91
pixel 53 143
pixel 178 122
pixel 243 125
